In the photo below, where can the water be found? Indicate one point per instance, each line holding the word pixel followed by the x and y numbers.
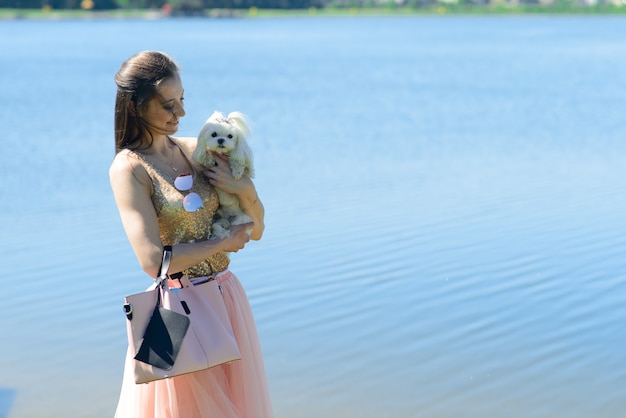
pixel 445 201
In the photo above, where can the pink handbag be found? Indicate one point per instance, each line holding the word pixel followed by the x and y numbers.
pixel 175 331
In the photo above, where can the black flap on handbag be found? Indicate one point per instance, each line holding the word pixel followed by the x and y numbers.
pixel 163 338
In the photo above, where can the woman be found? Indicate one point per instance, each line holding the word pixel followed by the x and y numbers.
pixel 148 159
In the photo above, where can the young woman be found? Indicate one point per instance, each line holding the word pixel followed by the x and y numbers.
pixel 149 104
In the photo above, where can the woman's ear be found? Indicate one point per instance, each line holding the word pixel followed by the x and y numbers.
pixel 132 108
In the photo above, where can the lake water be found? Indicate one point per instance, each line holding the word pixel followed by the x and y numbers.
pixel 445 205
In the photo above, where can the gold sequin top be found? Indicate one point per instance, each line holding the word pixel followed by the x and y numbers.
pixel 176 225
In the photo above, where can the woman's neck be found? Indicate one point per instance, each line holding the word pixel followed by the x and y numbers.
pixel 167 152
pixel 160 147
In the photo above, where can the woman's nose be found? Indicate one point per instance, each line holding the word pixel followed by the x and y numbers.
pixel 179 111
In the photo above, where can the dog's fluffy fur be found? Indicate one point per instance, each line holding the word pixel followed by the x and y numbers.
pixel 226 135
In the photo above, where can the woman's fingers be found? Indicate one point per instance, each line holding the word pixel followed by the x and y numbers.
pixel 239 236
pixel 220 172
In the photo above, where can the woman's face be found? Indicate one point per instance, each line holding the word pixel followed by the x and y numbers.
pixel 163 112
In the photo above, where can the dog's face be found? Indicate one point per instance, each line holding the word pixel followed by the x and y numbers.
pixel 228 136
pixel 220 136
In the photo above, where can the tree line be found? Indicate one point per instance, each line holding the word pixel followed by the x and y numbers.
pixel 198 7
pixel 180 5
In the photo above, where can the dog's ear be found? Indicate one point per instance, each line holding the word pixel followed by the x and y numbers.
pixel 201 154
pixel 241 159
pixel 241 156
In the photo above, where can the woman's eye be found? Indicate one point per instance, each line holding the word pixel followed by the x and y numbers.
pixel 214 134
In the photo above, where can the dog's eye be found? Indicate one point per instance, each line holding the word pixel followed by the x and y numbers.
pixel 230 136
pixel 214 134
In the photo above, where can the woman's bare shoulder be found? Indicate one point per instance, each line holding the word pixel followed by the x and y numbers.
pixel 126 164
pixel 123 161
pixel 187 142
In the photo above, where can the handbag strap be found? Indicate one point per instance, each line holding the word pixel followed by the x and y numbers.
pixel 161 278
pixel 161 281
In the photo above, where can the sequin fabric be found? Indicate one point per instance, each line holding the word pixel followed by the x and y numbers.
pixel 179 226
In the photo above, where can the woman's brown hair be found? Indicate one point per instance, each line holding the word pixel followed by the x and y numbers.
pixel 137 81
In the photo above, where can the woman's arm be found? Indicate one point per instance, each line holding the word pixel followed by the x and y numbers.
pixel 132 189
pixel 221 177
pixel 251 204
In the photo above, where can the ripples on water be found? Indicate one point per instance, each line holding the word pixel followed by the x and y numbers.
pixel 445 230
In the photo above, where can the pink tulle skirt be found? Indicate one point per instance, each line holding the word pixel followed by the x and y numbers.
pixel 235 390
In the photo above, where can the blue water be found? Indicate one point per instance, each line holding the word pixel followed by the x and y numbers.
pixel 445 205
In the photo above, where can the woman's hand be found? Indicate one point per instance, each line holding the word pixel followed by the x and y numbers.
pixel 239 236
pixel 221 177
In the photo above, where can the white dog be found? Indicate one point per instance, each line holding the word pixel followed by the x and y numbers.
pixel 226 135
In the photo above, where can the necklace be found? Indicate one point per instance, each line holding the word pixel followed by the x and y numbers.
pixel 171 163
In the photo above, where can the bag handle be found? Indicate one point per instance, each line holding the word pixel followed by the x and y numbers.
pixel 161 278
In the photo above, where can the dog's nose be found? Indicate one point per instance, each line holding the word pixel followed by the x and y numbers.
pixel 220 141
